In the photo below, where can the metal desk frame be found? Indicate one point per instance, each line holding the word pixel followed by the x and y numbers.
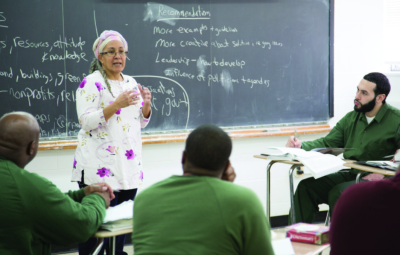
pixel 295 164
pixel 370 169
pixel 101 234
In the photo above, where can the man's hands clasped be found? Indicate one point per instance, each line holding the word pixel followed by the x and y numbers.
pixel 103 189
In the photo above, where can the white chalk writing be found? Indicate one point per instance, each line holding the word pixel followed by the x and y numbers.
pixel 6 73
pixel 2 19
pixel 198 12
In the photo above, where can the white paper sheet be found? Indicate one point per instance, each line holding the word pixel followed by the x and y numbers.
pixel 119 212
pixel 283 247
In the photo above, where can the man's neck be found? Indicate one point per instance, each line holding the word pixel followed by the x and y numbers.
pixel 202 172
pixel 374 111
pixel 15 158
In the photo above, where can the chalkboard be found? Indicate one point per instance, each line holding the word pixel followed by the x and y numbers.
pixel 231 63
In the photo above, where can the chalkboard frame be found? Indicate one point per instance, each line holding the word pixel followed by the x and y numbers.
pixel 331 55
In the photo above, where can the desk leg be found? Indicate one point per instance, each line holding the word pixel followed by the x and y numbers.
pixel 268 204
pixel 111 245
pixel 98 246
pixel 291 170
pixel 359 176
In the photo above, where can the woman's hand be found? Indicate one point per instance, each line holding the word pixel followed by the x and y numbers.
pixel 146 95
pixel 127 98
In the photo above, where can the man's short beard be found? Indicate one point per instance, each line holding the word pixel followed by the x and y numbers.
pixel 365 107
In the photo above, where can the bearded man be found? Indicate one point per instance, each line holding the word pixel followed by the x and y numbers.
pixel 372 129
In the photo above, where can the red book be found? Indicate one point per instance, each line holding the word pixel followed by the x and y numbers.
pixel 308 233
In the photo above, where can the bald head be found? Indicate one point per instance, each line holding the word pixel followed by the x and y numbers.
pixel 19 135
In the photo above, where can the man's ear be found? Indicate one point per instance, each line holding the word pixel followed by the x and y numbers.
pixel 31 149
pixel 380 98
pixel 183 157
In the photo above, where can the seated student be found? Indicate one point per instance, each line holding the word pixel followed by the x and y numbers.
pixel 373 129
pixel 365 219
pixel 198 213
pixel 34 213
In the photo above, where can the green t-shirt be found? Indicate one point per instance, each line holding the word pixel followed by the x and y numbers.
pixel 371 141
pixel 199 215
pixel 35 214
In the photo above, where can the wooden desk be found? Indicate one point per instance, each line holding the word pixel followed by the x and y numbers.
pixel 101 234
pixel 308 249
pixel 294 164
pixel 370 169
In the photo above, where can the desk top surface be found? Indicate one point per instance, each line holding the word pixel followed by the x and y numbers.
pixel 346 163
pixel 105 233
pixel 370 169
pixel 299 248
pixel 279 161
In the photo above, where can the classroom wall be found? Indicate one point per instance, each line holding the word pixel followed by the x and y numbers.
pixel 357 51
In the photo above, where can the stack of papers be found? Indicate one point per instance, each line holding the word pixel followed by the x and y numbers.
pixel 283 153
pixel 117 225
pixel 119 217
pixel 318 164
pixel 381 164
pixel 333 151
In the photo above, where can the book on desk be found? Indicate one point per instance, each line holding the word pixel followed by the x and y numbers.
pixel 118 217
pixel 318 164
pixel 308 233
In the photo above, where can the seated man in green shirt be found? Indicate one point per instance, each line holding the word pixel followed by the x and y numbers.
pixel 199 212
pixel 34 213
pixel 372 129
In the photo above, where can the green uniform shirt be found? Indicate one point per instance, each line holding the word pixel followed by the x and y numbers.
pixel 199 215
pixel 35 213
pixel 371 141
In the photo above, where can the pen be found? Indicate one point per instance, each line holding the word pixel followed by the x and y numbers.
pixel 295 134
pixel 94 185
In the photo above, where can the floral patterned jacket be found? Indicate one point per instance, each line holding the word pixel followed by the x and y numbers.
pixel 108 151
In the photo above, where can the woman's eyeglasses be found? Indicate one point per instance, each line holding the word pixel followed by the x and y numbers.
pixel 113 53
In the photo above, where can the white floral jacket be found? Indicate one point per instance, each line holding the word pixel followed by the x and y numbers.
pixel 108 151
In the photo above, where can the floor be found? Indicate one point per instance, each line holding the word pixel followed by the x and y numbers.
pixel 279 231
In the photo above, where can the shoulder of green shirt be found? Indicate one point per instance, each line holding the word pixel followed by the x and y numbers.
pixel 393 109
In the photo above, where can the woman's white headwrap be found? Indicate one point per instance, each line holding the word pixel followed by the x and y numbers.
pixel 106 37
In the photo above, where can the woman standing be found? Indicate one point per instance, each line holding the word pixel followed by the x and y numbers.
pixel 112 108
